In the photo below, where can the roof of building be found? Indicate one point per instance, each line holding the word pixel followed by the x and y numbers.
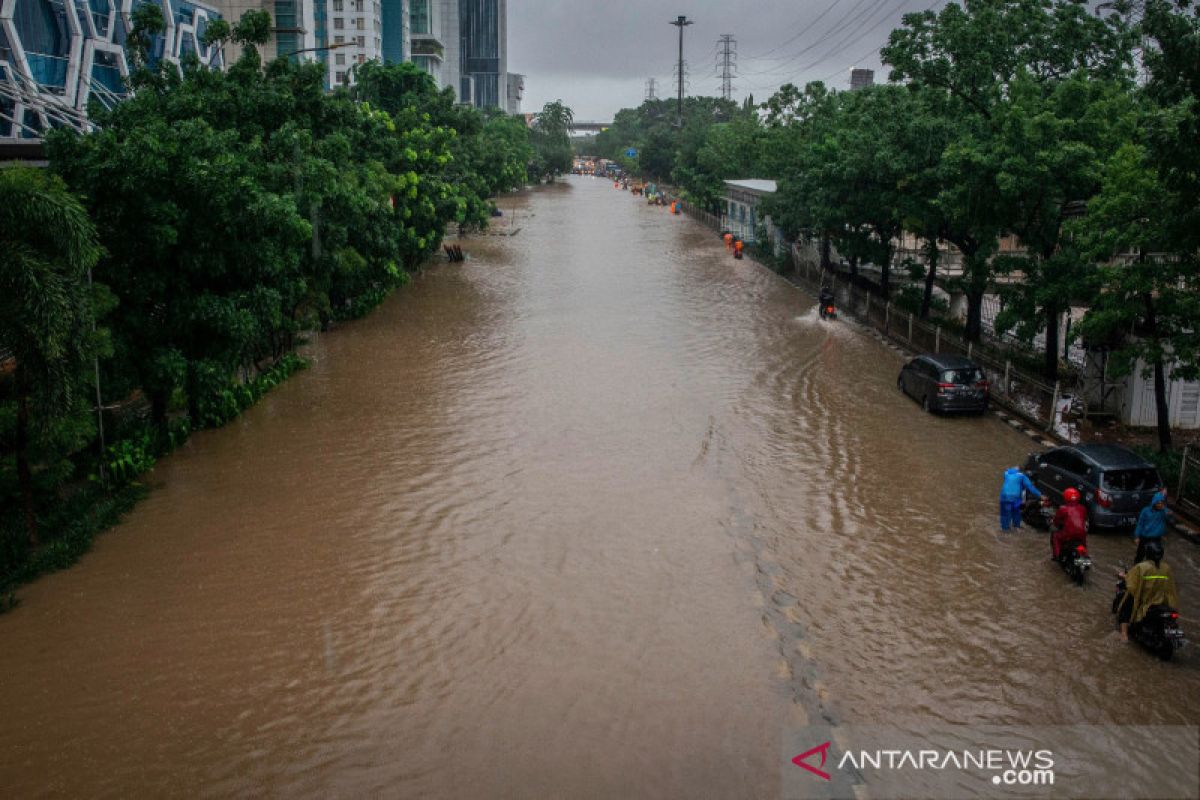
pixel 754 185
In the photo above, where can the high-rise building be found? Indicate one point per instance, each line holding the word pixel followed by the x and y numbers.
pixel 395 18
pixel 296 28
pixel 56 58
pixel 861 78
pixel 354 35
pixel 484 58
pixel 433 29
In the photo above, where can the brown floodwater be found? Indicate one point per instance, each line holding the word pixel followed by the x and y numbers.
pixel 598 513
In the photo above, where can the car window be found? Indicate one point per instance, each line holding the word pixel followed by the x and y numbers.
pixel 1074 464
pixel 1131 480
pixel 1055 458
pixel 963 375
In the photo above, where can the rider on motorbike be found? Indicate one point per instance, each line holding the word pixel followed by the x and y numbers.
pixel 1069 524
pixel 825 298
pixel 1150 583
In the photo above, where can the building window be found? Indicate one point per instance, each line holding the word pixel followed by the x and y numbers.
pixel 337 5
pixel 358 5
pixel 338 23
pixel 362 41
pixel 339 40
pixel 340 59
pixel 341 76
pixel 362 58
pixel 419 18
pixel 360 23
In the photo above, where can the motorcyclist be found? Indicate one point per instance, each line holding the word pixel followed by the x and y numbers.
pixel 825 299
pixel 1069 524
pixel 1012 492
pixel 1149 583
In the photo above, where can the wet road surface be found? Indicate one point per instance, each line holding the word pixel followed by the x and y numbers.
pixel 600 512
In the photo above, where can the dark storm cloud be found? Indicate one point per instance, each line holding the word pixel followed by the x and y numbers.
pixel 596 56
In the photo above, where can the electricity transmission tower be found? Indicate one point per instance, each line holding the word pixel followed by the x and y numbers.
pixel 651 89
pixel 681 22
pixel 727 63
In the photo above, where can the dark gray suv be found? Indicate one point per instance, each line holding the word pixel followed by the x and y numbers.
pixel 945 383
pixel 1114 482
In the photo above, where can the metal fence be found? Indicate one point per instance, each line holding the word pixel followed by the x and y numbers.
pixel 701 216
pixel 1187 493
pixel 1056 408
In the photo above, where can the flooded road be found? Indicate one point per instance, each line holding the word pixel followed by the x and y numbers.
pixel 600 512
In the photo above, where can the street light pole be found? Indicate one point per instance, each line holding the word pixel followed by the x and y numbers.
pixel 334 46
pixel 681 22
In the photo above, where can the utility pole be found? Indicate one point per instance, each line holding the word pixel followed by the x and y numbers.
pixel 651 87
pixel 727 61
pixel 681 22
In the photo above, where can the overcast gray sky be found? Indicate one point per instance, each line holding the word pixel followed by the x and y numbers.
pixel 595 55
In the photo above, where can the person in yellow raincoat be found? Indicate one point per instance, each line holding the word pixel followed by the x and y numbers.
pixel 1149 583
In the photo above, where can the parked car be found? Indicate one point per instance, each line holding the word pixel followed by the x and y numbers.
pixel 1115 482
pixel 945 383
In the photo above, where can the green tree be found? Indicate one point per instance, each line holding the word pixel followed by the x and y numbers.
pixel 46 317
pixel 1148 301
pixel 553 155
pixel 1052 141
pixel 968 55
pixel 1147 216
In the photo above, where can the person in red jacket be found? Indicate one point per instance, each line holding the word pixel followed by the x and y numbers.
pixel 1070 523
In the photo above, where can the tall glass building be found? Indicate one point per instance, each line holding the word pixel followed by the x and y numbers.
pixel 483 29
pixel 59 56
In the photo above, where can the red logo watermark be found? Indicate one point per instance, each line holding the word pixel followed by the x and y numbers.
pixel 802 760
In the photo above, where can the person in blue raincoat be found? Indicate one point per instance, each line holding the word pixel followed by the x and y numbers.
pixel 1012 493
pixel 1151 525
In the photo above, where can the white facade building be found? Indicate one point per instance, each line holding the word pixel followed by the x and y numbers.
pixel 433 30
pixel 739 207
pixel 357 26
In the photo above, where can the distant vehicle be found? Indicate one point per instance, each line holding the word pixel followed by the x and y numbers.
pixel 1115 482
pixel 945 383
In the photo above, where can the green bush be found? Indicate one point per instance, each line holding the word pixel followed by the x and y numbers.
pixel 127 459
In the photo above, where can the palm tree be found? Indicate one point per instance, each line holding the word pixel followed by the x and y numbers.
pixel 47 246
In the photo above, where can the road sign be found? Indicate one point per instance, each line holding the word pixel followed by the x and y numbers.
pixel 631 152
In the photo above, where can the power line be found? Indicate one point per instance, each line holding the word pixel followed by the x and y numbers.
pixel 806 29
pixel 844 43
pixel 727 63
pixel 847 20
pixel 858 17
pixel 870 53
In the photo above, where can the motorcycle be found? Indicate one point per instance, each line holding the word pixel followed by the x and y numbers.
pixel 1159 631
pixel 825 307
pixel 1073 557
pixel 1076 562
pixel 1037 513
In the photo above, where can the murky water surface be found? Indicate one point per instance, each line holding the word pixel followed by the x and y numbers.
pixel 599 512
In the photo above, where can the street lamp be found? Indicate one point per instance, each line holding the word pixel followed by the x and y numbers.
pixel 333 46
pixel 681 22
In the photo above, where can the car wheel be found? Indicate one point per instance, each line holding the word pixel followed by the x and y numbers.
pixel 928 409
